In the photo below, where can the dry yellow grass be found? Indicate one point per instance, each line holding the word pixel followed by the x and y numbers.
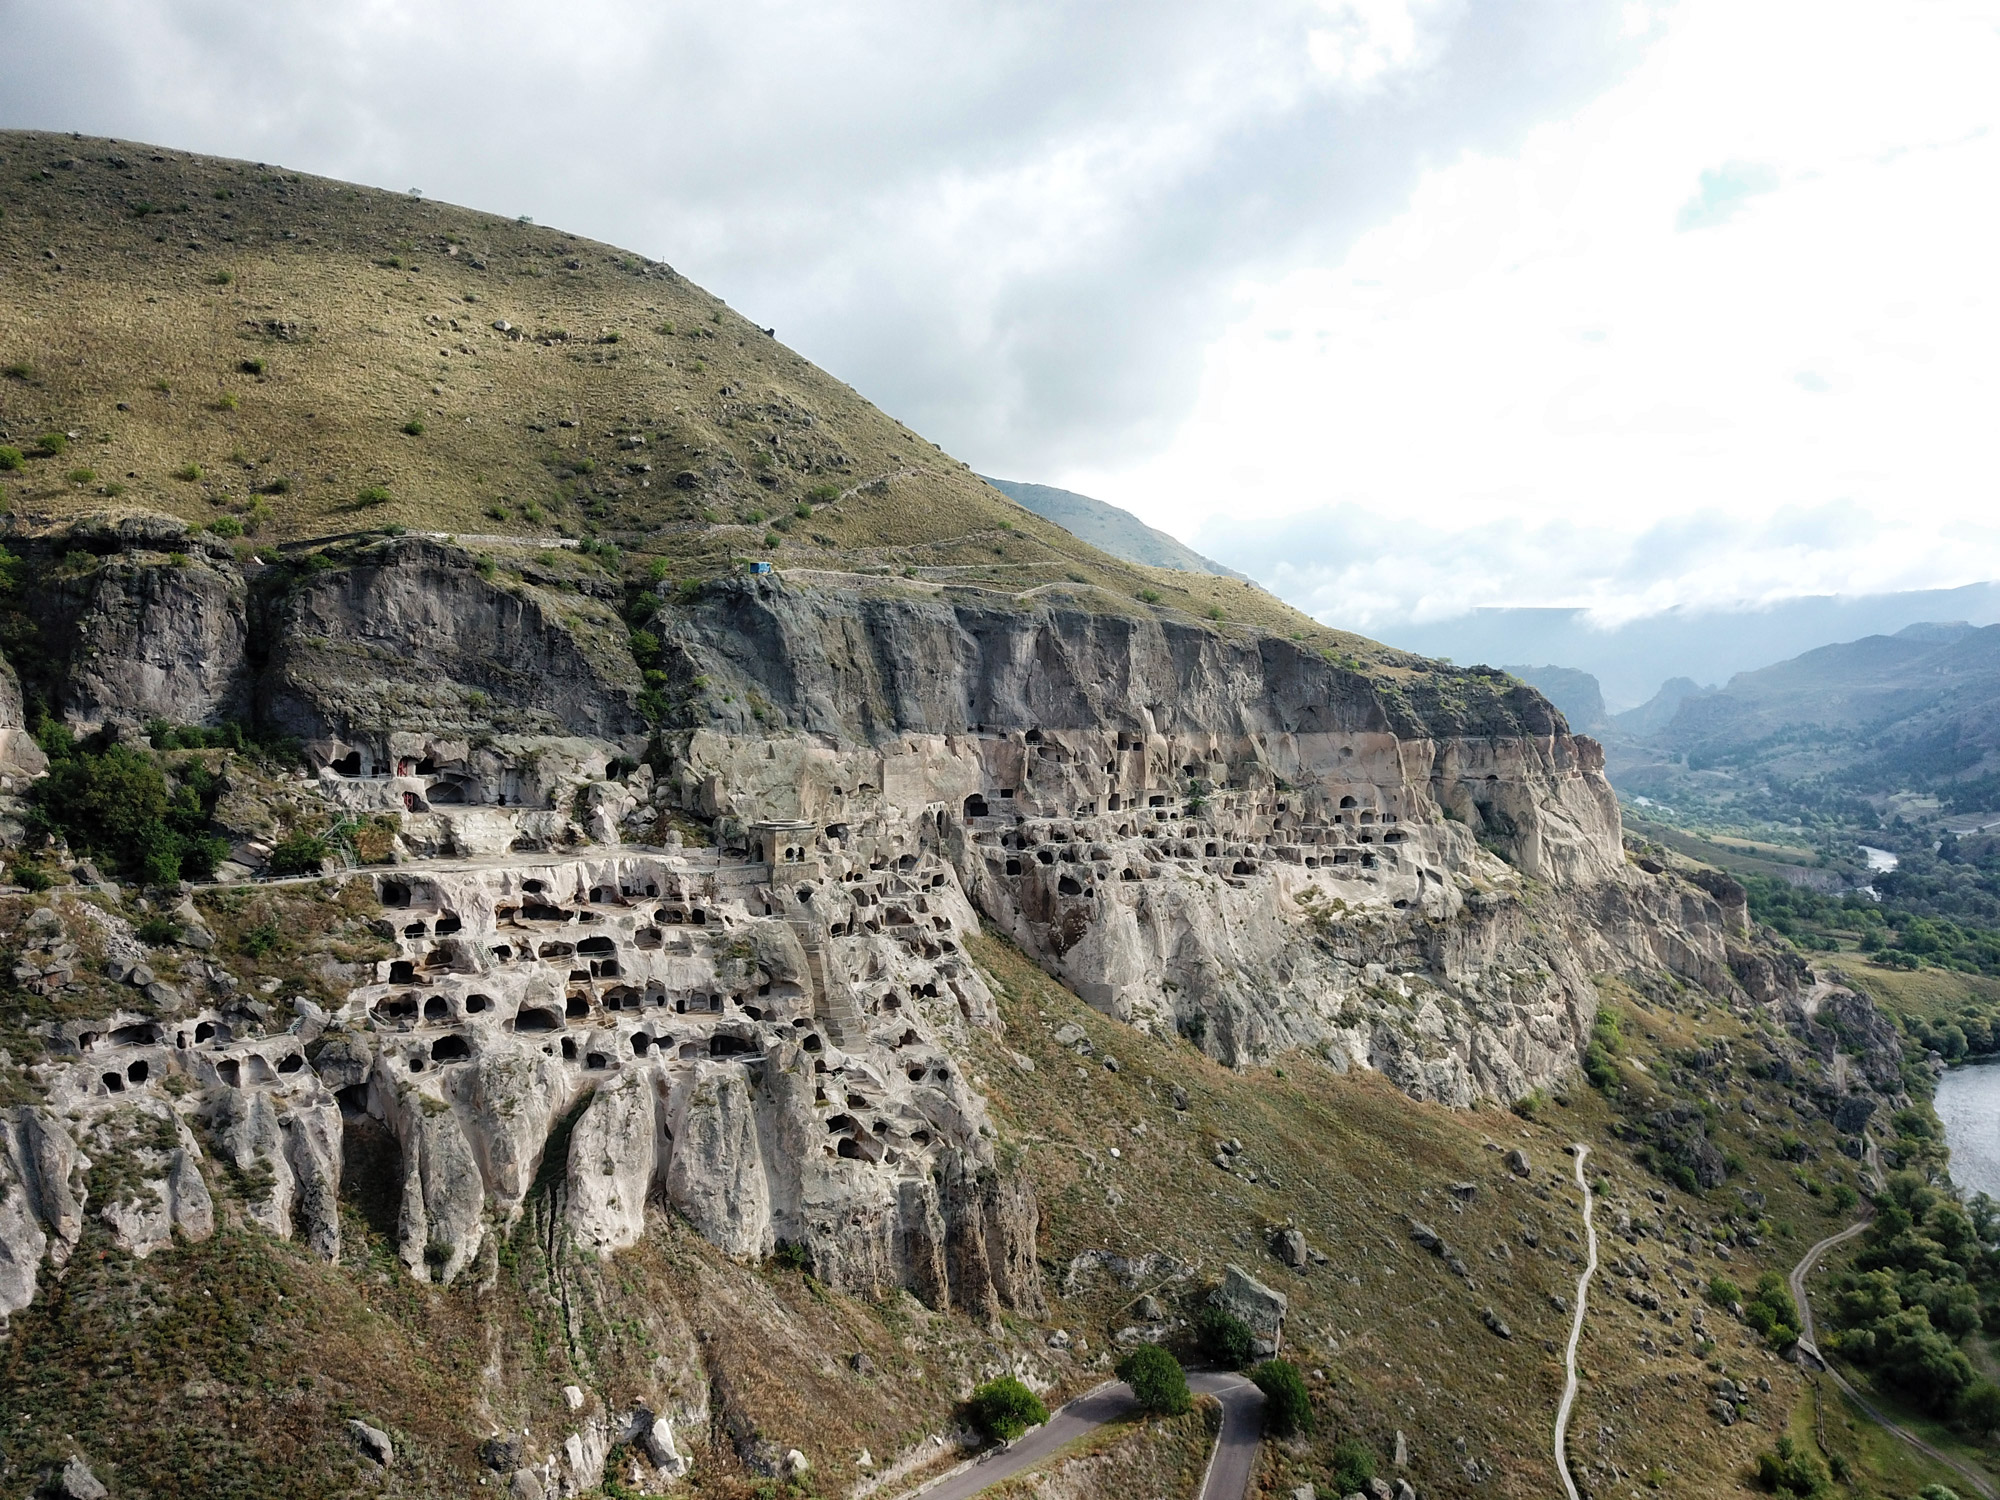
pixel 233 340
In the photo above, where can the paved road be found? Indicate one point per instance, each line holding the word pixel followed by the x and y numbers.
pixel 1810 1345
pixel 1235 1455
pixel 1229 1466
pixel 1576 1328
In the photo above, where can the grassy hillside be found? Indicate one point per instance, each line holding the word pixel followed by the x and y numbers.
pixel 244 346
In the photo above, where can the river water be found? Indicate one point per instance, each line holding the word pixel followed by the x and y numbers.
pixel 1968 1101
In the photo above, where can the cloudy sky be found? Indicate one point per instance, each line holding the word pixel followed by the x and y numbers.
pixel 1404 306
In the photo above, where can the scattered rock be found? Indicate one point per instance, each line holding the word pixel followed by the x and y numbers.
pixel 1110 1063
pixel 1427 1237
pixel 1149 1308
pixel 657 1438
pixel 1465 1192
pixel 1289 1245
pixel 524 1485
pixel 796 1463
pixel 861 1364
pixel 502 1455
pixel 1305 1492
pixel 1180 1097
pixel 372 1441
pixel 74 1481
pixel 573 1397
pixel 1517 1163
pixel 1402 1490
pixel 1402 1450
pixel 1060 1339
pixel 1494 1321
pixel 1257 1305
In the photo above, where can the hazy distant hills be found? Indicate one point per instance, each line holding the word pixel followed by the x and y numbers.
pixel 1109 527
pixel 1915 711
pixel 1630 661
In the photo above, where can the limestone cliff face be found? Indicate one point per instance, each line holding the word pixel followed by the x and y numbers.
pixel 410 635
pixel 1202 830
pixel 1221 834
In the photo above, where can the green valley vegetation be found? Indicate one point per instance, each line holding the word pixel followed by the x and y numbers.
pixel 1926 1278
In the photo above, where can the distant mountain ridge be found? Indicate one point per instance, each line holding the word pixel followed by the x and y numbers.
pixel 1632 659
pixel 1110 527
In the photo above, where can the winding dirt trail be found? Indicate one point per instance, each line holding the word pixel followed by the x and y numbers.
pixel 1576 1328
pixel 1809 1349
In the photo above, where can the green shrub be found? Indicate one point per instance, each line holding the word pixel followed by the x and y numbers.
pixel 225 402
pixel 413 428
pixel 791 1256
pixel 1790 1472
pixel 1004 1408
pixel 158 931
pixel 823 494
pixel 259 940
pixel 1979 1407
pixel 1223 1337
pixel 53 444
pixel 11 458
pixel 20 369
pixel 1149 596
pixel 1770 1311
pixel 114 803
pixel 220 278
pixel 1156 1379
pixel 279 486
pixel 226 526
pixel 1724 1293
pixel 31 877
pixel 188 472
pixel 299 853
pixel 251 366
pixel 1353 1465
pixel 1287 1407
pixel 375 494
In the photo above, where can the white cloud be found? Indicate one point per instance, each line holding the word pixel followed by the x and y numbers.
pixel 1646 358
pixel 1015 226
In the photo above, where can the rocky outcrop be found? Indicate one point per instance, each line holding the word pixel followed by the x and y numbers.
pixel 146 619
pixel 42 1197
pixel 21 759
pixel 411 634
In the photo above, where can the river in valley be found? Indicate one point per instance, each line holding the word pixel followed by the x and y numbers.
pixel 1968 1101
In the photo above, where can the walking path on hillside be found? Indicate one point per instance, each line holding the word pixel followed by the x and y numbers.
pixel 1809 1349
pixel 1229 1466
pixel 1576 1328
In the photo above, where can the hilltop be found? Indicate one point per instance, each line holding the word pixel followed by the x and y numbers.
pixel 232 342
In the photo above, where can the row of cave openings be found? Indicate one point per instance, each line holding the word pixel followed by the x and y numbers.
pixel 254 1068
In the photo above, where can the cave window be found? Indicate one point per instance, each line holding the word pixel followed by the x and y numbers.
pixel 450 1049
pixel 230 1072
pixel 1244 867
pixel 1068 886
pixel 474 1004
pixel 577 1007
pixel 1348 802
pixel 447 924
pixel 975 806
pixel 569 1049
pixel 403 971
pixel 113 1084
pixel 349 764
pixel 138 1072
pixel 437 1009
pixel 536 1018
pixel 395 893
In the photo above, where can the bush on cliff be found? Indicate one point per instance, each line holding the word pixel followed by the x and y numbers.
pixel 112 802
